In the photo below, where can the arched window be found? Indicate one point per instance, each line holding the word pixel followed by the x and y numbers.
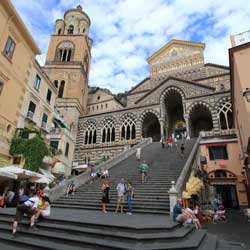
pixel 128 131
pixel 56 83
pixel 108 131
pixel 90 133
pixel 86 62
pixel 61 89
pixel 59 31
pixel 65 51
pixel 71 30
pixel 225 115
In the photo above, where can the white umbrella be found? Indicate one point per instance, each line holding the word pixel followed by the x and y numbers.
pixel 59 168
pixel 8 175
pixel 46 173
pixel 22 173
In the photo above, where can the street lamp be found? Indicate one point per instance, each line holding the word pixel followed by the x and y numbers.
pixel 246 94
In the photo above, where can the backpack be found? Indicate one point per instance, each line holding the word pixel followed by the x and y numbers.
pixel 23 198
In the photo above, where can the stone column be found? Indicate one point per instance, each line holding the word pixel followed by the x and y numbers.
pixel 187 126
pixel 162 126
pixel 173 196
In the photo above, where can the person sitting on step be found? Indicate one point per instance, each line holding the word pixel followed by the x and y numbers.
pixel 45 209
pixel 29 207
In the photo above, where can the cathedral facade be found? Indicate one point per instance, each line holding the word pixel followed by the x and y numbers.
pixel 182 95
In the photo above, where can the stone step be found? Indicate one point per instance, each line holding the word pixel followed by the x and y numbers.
pixel 53 239
pixel 112 209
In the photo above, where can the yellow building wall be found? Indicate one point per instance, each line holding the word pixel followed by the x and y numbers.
pixel 14 73
pixel 233 164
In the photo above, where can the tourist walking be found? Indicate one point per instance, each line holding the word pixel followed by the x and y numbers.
pixel 29 207
pixel 121 190
pixel 138 154
pixel 182 150
pixel 163 142
pixel 130 196
pixel 144 171
pixel 105 195
pixel 170 141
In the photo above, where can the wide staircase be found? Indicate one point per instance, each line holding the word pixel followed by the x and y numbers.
pixel 76 224
pixel 165 166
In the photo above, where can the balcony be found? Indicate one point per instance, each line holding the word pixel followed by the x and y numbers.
pixel 44 125
pixel 218 133
pixel 59 132
pixel 30 115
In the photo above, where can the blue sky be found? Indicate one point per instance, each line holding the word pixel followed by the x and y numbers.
pixel 127 32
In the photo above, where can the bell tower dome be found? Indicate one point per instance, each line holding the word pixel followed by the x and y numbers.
pixel 68 63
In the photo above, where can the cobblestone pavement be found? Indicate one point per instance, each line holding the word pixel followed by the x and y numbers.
pixel 235 229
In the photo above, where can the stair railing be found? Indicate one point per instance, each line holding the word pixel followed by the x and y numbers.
pixel 177 188
pixel 83 178
pixel 188 167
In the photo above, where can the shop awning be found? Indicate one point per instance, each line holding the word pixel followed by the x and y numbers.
pixel 61 122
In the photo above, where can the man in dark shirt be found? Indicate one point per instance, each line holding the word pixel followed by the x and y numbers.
pixel 178 208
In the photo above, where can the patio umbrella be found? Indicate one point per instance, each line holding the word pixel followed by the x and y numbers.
pixel 22 173
pixel 8 175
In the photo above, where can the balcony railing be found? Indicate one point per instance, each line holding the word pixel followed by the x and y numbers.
pixel 218 133
pixel 61 131
pixel 30 115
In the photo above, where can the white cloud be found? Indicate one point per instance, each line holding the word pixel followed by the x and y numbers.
pixel 127 32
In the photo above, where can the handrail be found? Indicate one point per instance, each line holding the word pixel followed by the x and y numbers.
pixel 81 179
pixel 187 169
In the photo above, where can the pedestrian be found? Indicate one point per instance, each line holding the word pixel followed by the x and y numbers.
pixel 176 142
pixel 121 190
pixel 182 150
pixel 71 189
pixel 138 154
pixel 178 209
pixel 163 142
pixel 170 141
pixel 130 193
pixel 144 171
pixel 105 195
pixel 216 203
pixel 29 207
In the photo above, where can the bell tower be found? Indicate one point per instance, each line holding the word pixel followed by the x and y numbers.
pixel 68 63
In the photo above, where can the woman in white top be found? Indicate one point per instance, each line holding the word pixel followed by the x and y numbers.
pixel 45 209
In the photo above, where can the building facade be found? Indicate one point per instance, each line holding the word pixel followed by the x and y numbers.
pixel 221 161
pixel 18 50
pixel 239 57
pixel 182 95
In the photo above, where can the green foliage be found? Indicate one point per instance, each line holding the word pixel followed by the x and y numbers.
pixel 33 151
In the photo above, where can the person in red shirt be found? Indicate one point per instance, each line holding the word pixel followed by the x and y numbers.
pixel 170 141
pixel 163 142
